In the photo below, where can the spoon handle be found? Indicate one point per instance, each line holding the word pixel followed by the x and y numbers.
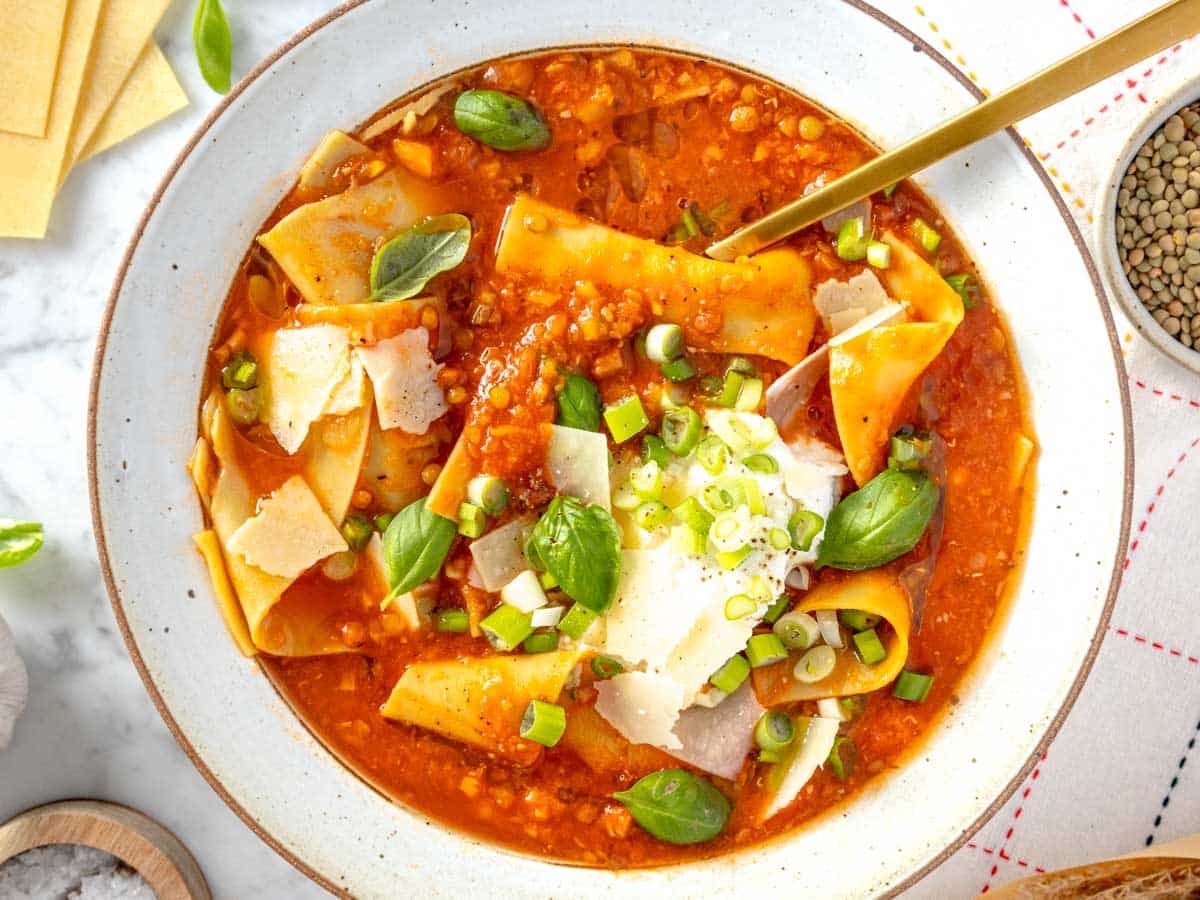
pixel 1165 26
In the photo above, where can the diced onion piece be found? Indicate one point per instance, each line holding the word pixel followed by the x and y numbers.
pixel 664 342
pixel 830 708
pixel 879 254
pixel 797 630
pixel 797 579
pixel 831 634
pixel 546 616
pixel 750 396
pixel 543 723
pixel 499 555
pixel 524 592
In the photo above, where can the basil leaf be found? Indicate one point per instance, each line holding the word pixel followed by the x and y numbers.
pixel 882 520
pixel 415 545
pixel 500 120
pixel 579 404
pixel 676 806
pixel 213 43
pixel 18 541
pixel 580 546
pixel 405 264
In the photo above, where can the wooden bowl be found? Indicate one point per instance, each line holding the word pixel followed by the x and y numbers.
pixel 132 837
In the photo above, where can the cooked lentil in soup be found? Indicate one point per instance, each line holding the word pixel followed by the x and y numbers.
pixel 569 537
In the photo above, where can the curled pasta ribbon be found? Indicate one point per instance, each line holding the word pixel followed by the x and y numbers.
pixel 877 593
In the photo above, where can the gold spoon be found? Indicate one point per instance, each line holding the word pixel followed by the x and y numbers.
pixel 1166 26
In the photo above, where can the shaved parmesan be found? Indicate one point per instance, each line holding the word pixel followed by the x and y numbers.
pixel 335 148
pixel 289 533
pixel 524 592
pixel 861 209
pixel 404 375
pixel 800 761
pixel 350 392
pixel 864 291
pixel 499 556
pixel 717 739
pixel 577 464
pixel 643 706
pixel 654 608
pixel 303 368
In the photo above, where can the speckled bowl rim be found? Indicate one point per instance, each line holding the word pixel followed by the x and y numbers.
pixel 1105 228
pixel 917 43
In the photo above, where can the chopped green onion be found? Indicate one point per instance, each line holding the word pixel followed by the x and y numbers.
pixel 769 756
pixel 741 365
pixel 731 388
pixel 678 370
pixel 687 542
pixel 739 606
pixel 852 707
pixel 694 516
pixel 340 566
pixel 879 254
pixel 842 757
pixel 907 450
pixel 605 667
pixel 857 620
pixel 543 723
pixel 506 627
pixel 765 649
pixel 797 630
pixel 803 526
pixel 724 494
pixel 890 189
pixel 242 405
pixel 964 285
pixel 870 649
pixel 912 686
pixel 639 343
pixel 664 342
pixel 625 497
pixel 712 385
pixel 851 242
pixel 779 539
pixel 471 520
pixel 577 620
pixel 713 454
pixel 382 521
pixel 777 609
pixel 815 665
pixel 357 531
pixel 651 514
pixel 690 225
pixel 926 236
pixel 730 531
pixel 754 497
pixel 489 493
pixel 681 430
pixel 241 372
pixel 774 731
pixel 625 418
pixel 750 396
pixel 732 673
pixel 763 433
pixel 547 581
pixel 763 463
pixel 731 559
pixel 452 621
pixel 540 642
pixel 760 590
pixel 647 481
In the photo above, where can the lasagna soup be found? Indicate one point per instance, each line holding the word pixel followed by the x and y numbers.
pixel 570 537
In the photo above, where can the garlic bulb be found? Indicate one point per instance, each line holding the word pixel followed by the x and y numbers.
pixel 14 684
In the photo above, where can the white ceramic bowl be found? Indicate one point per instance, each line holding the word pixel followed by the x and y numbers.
pixel 1105 234
pixel 229 718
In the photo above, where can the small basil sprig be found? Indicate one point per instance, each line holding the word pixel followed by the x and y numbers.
pixel 405 264
pixel 213 43
pixel 18 541
pixel 415 545
pixel 676 806
pixel 579 404
pixel 881 521
pixel 500 120
pixel 580 546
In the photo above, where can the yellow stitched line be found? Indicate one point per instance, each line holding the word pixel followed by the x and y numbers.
pixel 1072 197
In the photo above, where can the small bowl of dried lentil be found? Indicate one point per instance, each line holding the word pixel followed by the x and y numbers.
pixel 1148 227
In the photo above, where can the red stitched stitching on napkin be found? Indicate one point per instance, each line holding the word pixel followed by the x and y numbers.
pixel 1074 15
pixel 1130 84
pixel 1158 392
pixel 1004 856
pixel 1155 645
pixel 1158 492
pixel 1013 825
